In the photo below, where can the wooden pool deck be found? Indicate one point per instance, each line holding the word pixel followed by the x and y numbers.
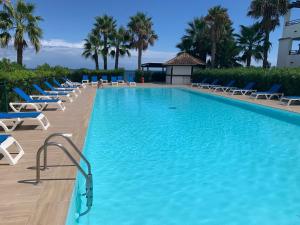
pixel 22 202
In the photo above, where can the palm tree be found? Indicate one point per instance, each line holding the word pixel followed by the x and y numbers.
pixel 269 13
pixel 249 40
pixel 20 20
pixel 195 41
pixel 92 48
pixel 217 22
pixel 121 44
pixel 142 34
pixel 105 26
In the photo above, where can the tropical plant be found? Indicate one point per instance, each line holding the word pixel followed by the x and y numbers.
pixel 228 54
pixel 92 47
pixel 249 40
pixel 121 44
pixel 105 28
pixel 217 22
pixel 21 20
pixel 142 34
pixel 268 12
pixel 196 40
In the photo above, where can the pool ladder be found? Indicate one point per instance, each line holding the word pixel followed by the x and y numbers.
pixel 87 175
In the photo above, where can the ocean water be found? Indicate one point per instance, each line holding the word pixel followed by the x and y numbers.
pixel 167 156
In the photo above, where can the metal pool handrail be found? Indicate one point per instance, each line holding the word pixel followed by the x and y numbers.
pixel 87 175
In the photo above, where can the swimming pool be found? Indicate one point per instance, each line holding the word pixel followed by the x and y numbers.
pixel 167 156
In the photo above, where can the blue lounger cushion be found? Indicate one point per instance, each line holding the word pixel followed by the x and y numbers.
pixel 19 115
pixel 3 138
pixel 41 91
pixel 28 99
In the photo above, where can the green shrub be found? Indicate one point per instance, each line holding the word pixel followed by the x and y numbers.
pixel 138 76
pixel 14 75
pixel 289 78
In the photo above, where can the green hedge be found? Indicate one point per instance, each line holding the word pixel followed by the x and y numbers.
pixel 15 76
pixel 288 78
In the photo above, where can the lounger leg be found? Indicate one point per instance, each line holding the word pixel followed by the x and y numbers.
pixel 43 121
pixel 5 127
pixel 61 106
pixel 3 149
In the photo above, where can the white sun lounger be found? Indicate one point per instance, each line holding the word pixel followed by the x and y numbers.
pixel 114 81
pixel 15 119
pixel 38 105
pixel 288 100
pixel 7 141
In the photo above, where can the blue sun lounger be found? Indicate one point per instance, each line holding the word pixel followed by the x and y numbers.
pixel 289 100
pixel 63 86
pixel 85 79
pixel 59 89
pixel 114 81
pixel 273 92
pixel 104 79
pixel 38 104
pixel 204 81
pixel 16 118
pixel 248 89
pixel 51 94
pixel 211 85
pixel 224 88
pixel 70 83
pixel 121 80
pixel 130 81
pixel 94 81
pixel 7 141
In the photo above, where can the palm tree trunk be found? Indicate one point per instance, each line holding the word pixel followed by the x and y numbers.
pixel 105 53
pixel 249 61
pixel 20 54
pixel 140 58
pixel 117 58
pixel 266 49
pixel 213 53
pixel 97 61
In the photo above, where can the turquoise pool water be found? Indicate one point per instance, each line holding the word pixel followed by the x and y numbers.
pixel 175 157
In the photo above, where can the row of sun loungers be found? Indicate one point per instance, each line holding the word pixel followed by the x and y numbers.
pixel 248 89
pixel 9 121
pixel 115 80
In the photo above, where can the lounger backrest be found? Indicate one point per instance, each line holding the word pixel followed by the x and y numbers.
pixel 249 86
pixel 49 85
pixel 130 78
pixel 85 77
pixel 56 82
pixel 94 78
pixel 230 83
pixel 275 88
pixel 104 77
pixel 39 89
pixel 120 77
pixel 114 79
pixel 22 94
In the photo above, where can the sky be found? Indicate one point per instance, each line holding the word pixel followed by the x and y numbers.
pixel 67 22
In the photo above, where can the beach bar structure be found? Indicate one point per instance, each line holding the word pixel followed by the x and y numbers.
pixel 179 70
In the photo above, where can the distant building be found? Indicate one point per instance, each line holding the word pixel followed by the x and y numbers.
pixel 179 70
pixel 287 56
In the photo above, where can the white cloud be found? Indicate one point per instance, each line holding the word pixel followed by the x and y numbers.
pixel 61 43
pixel 64 53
